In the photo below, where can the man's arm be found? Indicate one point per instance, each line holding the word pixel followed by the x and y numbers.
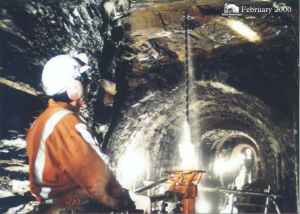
pixel 80 159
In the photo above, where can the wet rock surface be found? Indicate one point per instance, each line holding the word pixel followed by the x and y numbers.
pixel 14 192
pixel 32 32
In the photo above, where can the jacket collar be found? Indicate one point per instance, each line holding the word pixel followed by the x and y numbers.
pixel 60 104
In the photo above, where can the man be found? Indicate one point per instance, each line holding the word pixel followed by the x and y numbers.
pixel 245 174
pixel 66 166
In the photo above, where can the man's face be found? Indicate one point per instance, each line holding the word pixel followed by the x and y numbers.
pixel 78 104
pixel 75 93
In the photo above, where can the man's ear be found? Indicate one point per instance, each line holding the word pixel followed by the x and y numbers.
pixel 75 90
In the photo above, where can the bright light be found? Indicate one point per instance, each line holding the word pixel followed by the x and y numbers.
pixel 229 207
pixel 223 166
pixel 244 30
pixel 132 165
pixel 202 206
pixel 242 178
pixel 187 149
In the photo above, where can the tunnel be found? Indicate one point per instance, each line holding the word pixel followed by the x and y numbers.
pixel 224 123
pixel 233 107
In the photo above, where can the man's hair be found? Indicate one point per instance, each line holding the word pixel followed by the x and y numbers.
pixel 61 97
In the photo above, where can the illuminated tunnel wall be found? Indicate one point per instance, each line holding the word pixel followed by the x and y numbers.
pixel 221 118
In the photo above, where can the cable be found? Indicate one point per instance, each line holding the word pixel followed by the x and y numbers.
pixel 186 66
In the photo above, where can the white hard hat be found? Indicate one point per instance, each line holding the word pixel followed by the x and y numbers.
pixel 60 71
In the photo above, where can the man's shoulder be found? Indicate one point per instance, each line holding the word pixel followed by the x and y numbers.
pixel 68 118
pixel 54 112
pixel 50 115
pixel 48 119
pixel 65 114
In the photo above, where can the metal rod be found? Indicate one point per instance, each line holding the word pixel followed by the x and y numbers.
pixel 160 197
pixel 249 205
pixel 20 86
pixel 142 189
pixel 237 192
pixel 186 65
pixel 267 200
pixel 276 206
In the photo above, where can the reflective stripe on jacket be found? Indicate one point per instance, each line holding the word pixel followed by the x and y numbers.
pixel 65 162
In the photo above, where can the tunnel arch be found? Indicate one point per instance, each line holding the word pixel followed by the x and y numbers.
pixel 217 109
pixel 227 138
pixel 235 142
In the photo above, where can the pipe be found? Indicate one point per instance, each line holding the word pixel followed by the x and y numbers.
pixel 20 86
pixel 267 200
pixel 237 192
pixel 142 189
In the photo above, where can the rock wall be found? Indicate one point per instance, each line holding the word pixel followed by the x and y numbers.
pixel 38 30
pixel 33 31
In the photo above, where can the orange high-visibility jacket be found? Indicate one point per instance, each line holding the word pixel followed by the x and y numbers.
pixel 65 163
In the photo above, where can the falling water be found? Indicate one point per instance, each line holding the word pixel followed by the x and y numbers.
pixel 187 152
